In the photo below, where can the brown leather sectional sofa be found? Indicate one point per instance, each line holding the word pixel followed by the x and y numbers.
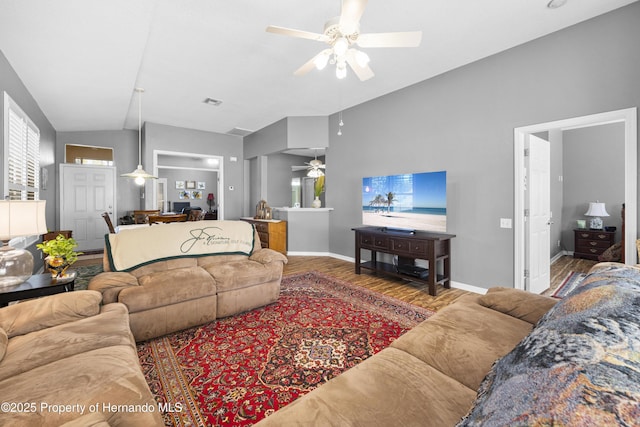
pixel 430 375
pixel 174 294
pixel 68 360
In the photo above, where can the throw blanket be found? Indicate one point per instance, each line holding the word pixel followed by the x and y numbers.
pixel 131 249
pixel 580 366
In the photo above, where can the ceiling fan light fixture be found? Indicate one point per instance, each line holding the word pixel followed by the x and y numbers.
pixel 341 46
pixel 315 173
pixel 362 58
pixel 322 60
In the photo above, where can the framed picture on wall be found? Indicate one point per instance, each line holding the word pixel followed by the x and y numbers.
pixel 196 194
pixel 179 185
pixel 184 195
pixel 191 185
pixel 202 185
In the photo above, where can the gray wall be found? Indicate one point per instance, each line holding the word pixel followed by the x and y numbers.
pixel 593 171
pixel 280 175
pixel 11 83
pixel 173 175
pixel 463 122
pixel 170 138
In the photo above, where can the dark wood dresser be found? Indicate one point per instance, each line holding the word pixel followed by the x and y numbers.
pixel 589 244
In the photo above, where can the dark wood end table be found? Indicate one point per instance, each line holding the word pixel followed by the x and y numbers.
pixel 38 285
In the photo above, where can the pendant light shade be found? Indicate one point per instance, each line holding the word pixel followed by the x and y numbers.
pixel 139 174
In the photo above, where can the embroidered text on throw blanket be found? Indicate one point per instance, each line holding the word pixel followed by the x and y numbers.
pixel 134 248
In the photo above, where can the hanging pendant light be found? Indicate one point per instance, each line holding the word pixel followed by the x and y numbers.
pixel 139 175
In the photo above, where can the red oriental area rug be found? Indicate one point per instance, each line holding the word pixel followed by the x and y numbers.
pixel 239 369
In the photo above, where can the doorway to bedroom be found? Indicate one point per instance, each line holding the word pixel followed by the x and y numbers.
pixel 530 254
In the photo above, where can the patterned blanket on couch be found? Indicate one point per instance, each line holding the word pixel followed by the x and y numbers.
pixel 580 366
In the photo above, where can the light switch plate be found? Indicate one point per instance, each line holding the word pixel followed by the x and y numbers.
pixel 505 222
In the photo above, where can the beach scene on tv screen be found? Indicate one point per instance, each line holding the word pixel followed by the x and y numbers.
pixel 416 201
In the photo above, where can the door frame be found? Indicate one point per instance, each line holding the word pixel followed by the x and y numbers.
pixel 627 116
pixel 62 167
pixel 219 169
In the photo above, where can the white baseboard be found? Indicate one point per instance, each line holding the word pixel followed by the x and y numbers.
pixel 469 288
pixel 560 255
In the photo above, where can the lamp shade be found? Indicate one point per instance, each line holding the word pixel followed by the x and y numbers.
pixel 210 197
pixel 22 218
pixel 596 209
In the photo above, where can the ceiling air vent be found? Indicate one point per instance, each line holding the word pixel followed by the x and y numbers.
pixel 211 101
pixel 240 132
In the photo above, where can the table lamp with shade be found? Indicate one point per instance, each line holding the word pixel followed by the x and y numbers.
pixel 596 211
pixel 19 218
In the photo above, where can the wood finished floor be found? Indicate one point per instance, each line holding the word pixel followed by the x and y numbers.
pixel 565 265
pixel 410 292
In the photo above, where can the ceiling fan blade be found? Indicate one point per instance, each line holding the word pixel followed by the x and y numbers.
pixel 299 168
pixel 363 72
pixel 350 16
pixel 297 33
pixel 309 65
pixel 402 39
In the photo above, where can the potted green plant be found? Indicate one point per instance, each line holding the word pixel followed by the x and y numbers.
pixel 60 254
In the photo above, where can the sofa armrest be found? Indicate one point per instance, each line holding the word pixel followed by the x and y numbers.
pixel 42 313
pixel 266 255
pixel 110 284
pixel 517 303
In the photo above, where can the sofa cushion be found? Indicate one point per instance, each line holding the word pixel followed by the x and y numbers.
pixel 42 313
pixel 168 287
pixel 39 348
pixel 406 392
pixel 241 274
pixel 580 365
pixel 518 303
pixel 4 341
pixel 108 377
pixel 463 340
pixel 93 419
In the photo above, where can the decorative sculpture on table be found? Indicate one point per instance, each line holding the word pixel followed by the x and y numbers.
pixel 263 211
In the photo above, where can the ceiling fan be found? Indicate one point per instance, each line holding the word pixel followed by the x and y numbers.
pixel 341 34
pixel 314 168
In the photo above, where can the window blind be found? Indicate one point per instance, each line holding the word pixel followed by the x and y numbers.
pixel 22 153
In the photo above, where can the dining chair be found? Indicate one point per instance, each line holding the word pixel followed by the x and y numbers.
pixel 142 216
pixel 107 219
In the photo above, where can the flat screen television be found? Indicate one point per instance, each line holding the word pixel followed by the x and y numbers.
pixel 413 201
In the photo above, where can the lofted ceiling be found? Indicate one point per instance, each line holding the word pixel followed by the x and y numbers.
pixel 82 59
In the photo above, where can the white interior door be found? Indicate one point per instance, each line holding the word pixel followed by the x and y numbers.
pixel 86 193
pixel 538 195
